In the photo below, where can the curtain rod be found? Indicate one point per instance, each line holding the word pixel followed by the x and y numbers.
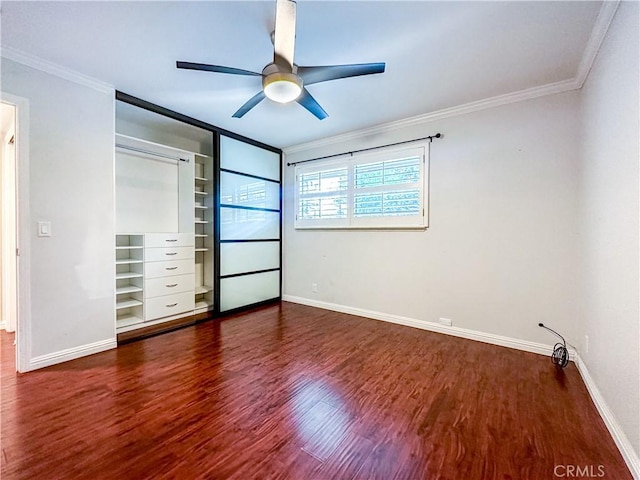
pixel 149 152
pixel 430 138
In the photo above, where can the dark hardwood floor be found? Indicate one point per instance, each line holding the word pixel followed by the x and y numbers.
pixel 293 392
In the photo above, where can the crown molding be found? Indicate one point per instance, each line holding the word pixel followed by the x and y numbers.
pixel 487 103
pixel 599 31
pixel 55 69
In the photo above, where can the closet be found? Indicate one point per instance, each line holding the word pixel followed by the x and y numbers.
pixel 198 220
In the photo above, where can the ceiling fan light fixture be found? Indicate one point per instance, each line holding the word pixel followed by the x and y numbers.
pixel 282 87
pixel 282 80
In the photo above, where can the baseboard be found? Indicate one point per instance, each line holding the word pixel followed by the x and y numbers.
pixel 626 449
pixel 71 354
pixel 621 440
pixel 3 325
pixel 533 347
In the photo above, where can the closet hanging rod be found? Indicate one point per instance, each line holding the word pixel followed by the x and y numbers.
pixel 430 138
pixel 149 152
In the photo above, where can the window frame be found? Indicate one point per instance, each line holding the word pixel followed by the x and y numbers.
pixel 419 221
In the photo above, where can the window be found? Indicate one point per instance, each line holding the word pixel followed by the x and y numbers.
pixel 384 189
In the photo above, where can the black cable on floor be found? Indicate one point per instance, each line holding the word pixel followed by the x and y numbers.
pixel 560 355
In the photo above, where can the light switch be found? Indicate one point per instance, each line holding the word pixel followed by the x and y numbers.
pixel 44 229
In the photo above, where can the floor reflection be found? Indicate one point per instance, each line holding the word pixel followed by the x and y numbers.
pixel 320 417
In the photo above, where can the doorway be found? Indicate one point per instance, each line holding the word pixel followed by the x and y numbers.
pixel 8 226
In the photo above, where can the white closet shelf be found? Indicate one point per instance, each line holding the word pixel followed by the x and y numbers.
pixel 128 289
pixel 200 193
pixel 123 275
pixel 200 221
pixel 202 304
pixel 201 235
pixel 201 289
pixel 202 249
pixel 201 179
pixel 201 207
pixel 120 136
pixel 127 261
pixel 129 302
pixel 129 247
pixel 127 320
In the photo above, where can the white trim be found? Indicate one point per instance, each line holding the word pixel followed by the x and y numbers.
pixel 487 103
pixel 599 31
pixel 9 226
pixel 622 442
pixel 71 353
pixel 23 321
pixel 159 321
pixel 3 326
pixel 128 140
pixel 417 151
pixel 524 345
pixel 55 69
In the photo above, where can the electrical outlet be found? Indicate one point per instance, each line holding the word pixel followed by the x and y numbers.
pixel 586 344
pixel 314 288
pixel 445 321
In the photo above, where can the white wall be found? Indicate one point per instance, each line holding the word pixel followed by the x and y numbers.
pixel 609 219
pixel 500 253
pixel 70 184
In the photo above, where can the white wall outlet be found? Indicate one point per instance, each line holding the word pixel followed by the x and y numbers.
pixel 314 288
pixel 44 229
pixel 586 344
pixel 445 321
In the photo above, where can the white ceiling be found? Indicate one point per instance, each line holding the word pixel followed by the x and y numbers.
pixel 438 54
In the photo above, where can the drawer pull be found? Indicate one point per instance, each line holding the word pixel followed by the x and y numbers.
pixel 171 240
pixel 171 305
pixel 172 285
pixel 170 268
pixel 171 253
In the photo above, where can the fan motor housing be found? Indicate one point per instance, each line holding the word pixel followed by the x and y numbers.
pixel 280 85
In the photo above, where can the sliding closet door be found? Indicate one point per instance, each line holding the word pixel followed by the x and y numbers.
pixel 249 227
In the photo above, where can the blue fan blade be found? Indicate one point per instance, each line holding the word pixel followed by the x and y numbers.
pixel 252 102
pixel 311 75
pixel 216 68
pixel 307 101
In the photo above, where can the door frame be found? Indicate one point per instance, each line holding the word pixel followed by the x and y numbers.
pixel 23 229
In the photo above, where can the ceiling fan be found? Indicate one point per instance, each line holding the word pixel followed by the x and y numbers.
pixel 282 80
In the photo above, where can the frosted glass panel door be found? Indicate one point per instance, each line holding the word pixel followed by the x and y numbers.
pixel 238 156
pixel 249 224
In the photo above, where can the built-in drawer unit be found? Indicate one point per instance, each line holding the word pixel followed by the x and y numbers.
pixel 156 287
pixel 161 254
pixel 165 269
pixel 153 240
pixel 169 275
pixel 167 305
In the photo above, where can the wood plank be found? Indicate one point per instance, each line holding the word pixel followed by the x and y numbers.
pixel 292 392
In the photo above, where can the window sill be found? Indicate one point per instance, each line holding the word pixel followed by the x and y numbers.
pixel 408 228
